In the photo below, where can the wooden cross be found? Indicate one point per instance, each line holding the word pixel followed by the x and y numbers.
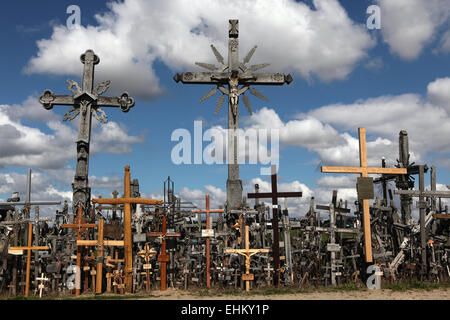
pixel 233 74
pixel 275 195
pixel 41 285
pixel 100 243
pixel 422 194
pixel 85 101
pixel 163 257
pixel 208 210
pixel 364 171
pixel 146 254
pixel 247 253
pixel 29 248
pixel 128 237
pixel 79 227
pixel 239 225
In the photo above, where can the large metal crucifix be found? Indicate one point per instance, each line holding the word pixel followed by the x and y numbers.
pixel 86 100
pixel 233 74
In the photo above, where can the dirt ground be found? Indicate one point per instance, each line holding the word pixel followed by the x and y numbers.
pixel 437 294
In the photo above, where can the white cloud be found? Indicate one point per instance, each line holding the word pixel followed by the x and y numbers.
pixel 133 34
pixel 26 145
pixel 439 92
pixel 408 26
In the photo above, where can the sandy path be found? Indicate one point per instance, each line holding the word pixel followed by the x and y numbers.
pixel 438 294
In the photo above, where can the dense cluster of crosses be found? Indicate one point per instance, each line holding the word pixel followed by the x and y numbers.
pixel 130 244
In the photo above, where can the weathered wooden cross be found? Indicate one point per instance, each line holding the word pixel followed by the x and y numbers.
pixel 208 233
pixel 234 74
pixel 146 254
pixel 127 201
pixel 275 195
pixel 86 100
pixel 99 243
pixel 364 171
pixel 41 285
pixel 163 257
pixel 247 253
pixel 421 204
pixel 29 248
pixel 79 226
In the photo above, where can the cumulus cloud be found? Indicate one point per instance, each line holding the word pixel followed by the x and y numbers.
pixel 130 36
pixel 26 145
pixel 408 26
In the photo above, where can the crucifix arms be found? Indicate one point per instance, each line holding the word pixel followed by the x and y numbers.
pixel 86 95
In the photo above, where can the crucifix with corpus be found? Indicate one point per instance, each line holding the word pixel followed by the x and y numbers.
pixel 209 232
pixel 247 253
pixel 275 195
pixel 163 257
pixel 233 74
pixel 127 201
pixel 364 171
pixel 85 101
pixel 146 254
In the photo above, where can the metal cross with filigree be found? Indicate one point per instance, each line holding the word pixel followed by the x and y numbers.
pixel 85 101
pixel 239 77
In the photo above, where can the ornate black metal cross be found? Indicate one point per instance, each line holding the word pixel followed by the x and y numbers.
pixel 233 74
pixel 86 100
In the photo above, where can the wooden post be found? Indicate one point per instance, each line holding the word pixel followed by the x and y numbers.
pixel 163 257
pixel 364 171
pixel 28 248
pixel 247 253
pixel 127 237
pixel 208 210
pixel 275 195
pixel 79 227
pixel 146 254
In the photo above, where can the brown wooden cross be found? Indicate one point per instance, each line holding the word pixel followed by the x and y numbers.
pixel 100 243
pixel 146 254
pixel 275 195
pixel 364 171
pixel 29 248
pixel 208 210
pixel 163 257
pixel 128 239
pixel 238 225
pixel 247 253
pixel 79 227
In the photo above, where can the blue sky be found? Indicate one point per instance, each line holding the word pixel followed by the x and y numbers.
pixel 345 76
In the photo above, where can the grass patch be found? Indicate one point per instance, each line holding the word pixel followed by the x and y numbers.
pixel 415 285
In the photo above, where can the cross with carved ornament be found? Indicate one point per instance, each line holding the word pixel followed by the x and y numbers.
pixel 146 254
pixel 364 171
pixel 233 74
pixel 275 195
pixel 85 101
pixel 163 257
pixel 28 248
pixel 79 227
pixel 247 253
pixel 127 201
pixel 207 211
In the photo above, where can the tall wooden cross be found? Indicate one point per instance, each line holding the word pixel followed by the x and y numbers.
pixel 208 234
pixel 275 195
pixel 247 253
pixel 163 257
pixel 85 101
pixel 364 171
pixel 233 74
pixel 127 201
pixel 29 248
pixel 146 254
pixel 79 226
